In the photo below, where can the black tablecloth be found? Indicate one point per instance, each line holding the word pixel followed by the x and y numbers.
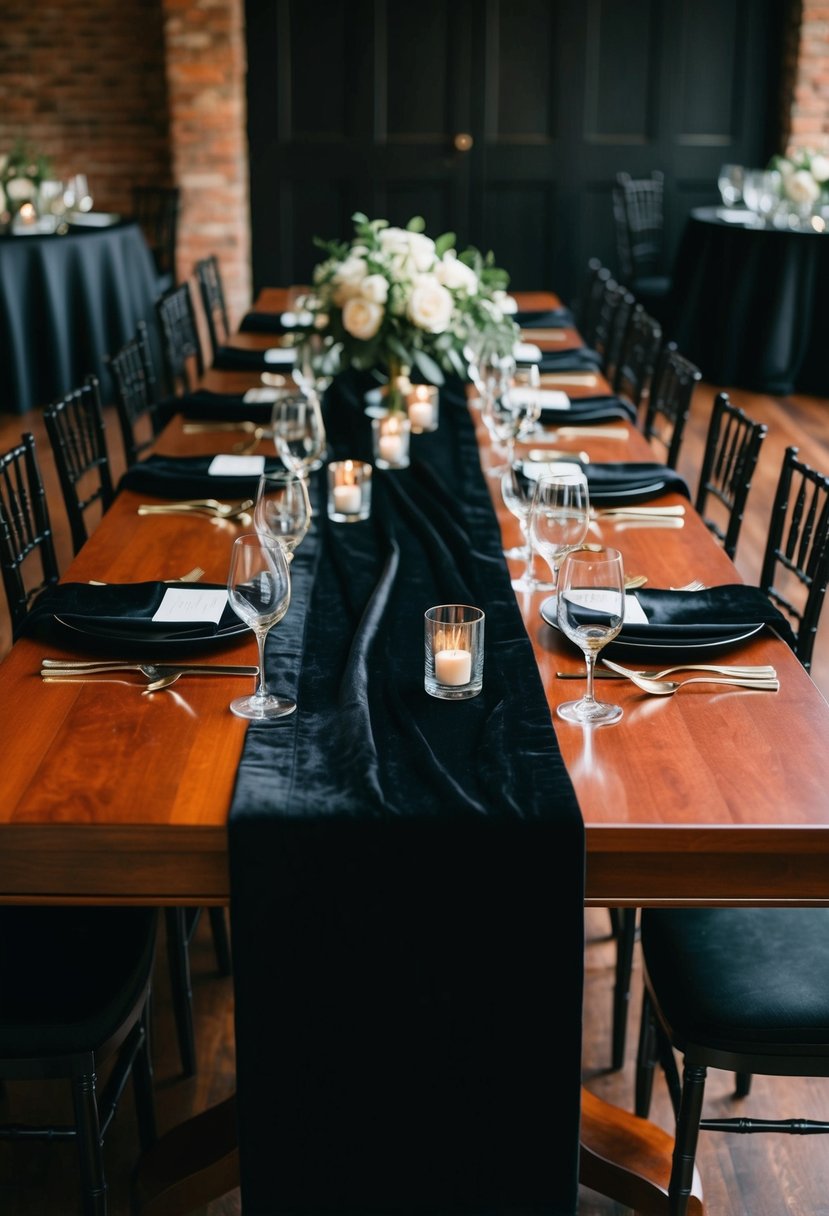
pixel 65 303
pixel 406 877
pixel 750 306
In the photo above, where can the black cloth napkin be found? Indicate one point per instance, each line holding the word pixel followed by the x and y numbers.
pixel 406 875
pixel 206 406
pixel 579 359
pixel 233 359
pixel 614 483
pixel 117 605
pixel 255 322
pixel 584 410
pixel 187 477
pixel 697 614
pixel 554 318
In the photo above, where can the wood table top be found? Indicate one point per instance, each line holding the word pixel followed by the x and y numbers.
pixel 112 796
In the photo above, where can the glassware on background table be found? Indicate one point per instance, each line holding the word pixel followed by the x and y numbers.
pixel 390 440
pixel 76 194
pixel 509 414
pixel 349 491
pixel 299 432
pixel 517 489
pixel 730 183
pixel 559 515
pixel 454 651
pixel 259 592
pixel 590 607
pixel 761 191
pixel 283 508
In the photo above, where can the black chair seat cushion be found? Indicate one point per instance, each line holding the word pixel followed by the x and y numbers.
pixel 69 977
pixel 741 978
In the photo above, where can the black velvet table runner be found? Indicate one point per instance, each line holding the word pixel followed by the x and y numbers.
pixel 406 876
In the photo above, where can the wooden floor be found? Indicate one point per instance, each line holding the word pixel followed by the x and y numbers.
pixel 742 1176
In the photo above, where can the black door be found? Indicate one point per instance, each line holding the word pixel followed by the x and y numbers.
pixel 504 121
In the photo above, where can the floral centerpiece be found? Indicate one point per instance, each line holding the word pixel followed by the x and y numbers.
pixel 21 173
pixel 804 176
pixel 395 299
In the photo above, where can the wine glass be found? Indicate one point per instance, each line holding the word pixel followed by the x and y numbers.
pixel 730 183
pixel 259 591
pixel 559 514
pixel 508 413
pixel 590 610
pixel 517 488
pixel 283 508
pixel 299 432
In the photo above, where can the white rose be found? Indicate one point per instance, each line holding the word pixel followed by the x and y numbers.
pixel 456 275
pixel 820 168
pixel 784 166
pixel 801 187
pixel 375 287
pixel 21 189
pixel 430 305
pixel 348 279
pixel 394 240
pixel 422 251
pixel 506 303
pixel 362 318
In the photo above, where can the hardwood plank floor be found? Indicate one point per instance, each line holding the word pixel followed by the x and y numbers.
pixel 742 1176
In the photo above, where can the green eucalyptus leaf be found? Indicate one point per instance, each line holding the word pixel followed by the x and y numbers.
pixel 444 242
pixel 416 224
pixel 428 367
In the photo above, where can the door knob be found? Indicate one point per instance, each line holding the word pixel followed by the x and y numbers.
pixel 463 141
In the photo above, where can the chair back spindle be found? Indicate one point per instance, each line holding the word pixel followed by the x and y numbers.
pixel 25 530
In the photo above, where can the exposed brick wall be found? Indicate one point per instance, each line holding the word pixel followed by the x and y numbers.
pixel 83 82
pixel 810 104
pixel 206 65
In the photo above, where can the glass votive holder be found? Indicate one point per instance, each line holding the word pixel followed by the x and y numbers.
pixel 422 404
pixel 390 438
pixel 454 651
pixel 349 491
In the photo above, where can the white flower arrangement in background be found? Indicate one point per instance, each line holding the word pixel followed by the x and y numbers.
pixel 21 173
pixel 804 175
pixel 396 299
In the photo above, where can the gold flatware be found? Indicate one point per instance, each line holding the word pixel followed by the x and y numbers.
pixel 206 428
pixel 633 581
pixel 545 335
pixel 50 667
pixel 192 576
pixel 210 508
pixel 545 455
pixel 666 688
pixel 582 379
pixel 644 512
pixel 586 432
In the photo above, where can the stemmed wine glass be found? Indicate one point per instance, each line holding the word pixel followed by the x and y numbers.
pixel 730 183
pixel 507 414
pixel 299 432
pixel 283 508
pixel 259 592
pixel 517 488
pixel 559 514
pixel 590 611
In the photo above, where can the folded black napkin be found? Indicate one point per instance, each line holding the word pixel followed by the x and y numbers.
pixel 579 359
pixel 698 614
pixel 221 407
pixel 118 605
pixel 614 483
pixel 584 410
pixel 233 359
pixel 554 318
pixel 187 477
pixel 254 322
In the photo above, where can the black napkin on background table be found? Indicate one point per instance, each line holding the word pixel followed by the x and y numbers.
pixel 554 318
pixel 233 359
pixel 255 322
pixel 579 359
pixel 116 605
pixel 406 874
pixel 187 477
pixel 612 483
pixel 584 410
pixel 206 406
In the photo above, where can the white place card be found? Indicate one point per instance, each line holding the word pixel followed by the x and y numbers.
pixel 284 355
pixel 260 396
pixel 533 469
pixel 634 612
pixel 547 398
pixel 236 466
pixel 526 352
pixel 192 604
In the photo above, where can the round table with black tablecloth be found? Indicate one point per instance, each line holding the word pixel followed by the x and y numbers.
pixel 750 305
pixel 66 302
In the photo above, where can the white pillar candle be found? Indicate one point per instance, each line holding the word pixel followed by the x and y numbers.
pixel 390 448
pixel 420 414
pixel 347 499
pixel 453 667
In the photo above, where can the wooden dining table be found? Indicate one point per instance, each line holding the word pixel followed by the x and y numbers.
pixel 713 796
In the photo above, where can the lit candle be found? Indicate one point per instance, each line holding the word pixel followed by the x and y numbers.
pixel 347 499
pixel 453 667
pixel 27 213
pixel 391 448
pixel 421 407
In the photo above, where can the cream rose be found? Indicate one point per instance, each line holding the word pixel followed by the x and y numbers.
pixel 430 305
pixel 820 168
pixel 456 275
pixel 348 279
pixel 375 287
pixel 21 189
pixel 801 187
pixel 362 318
